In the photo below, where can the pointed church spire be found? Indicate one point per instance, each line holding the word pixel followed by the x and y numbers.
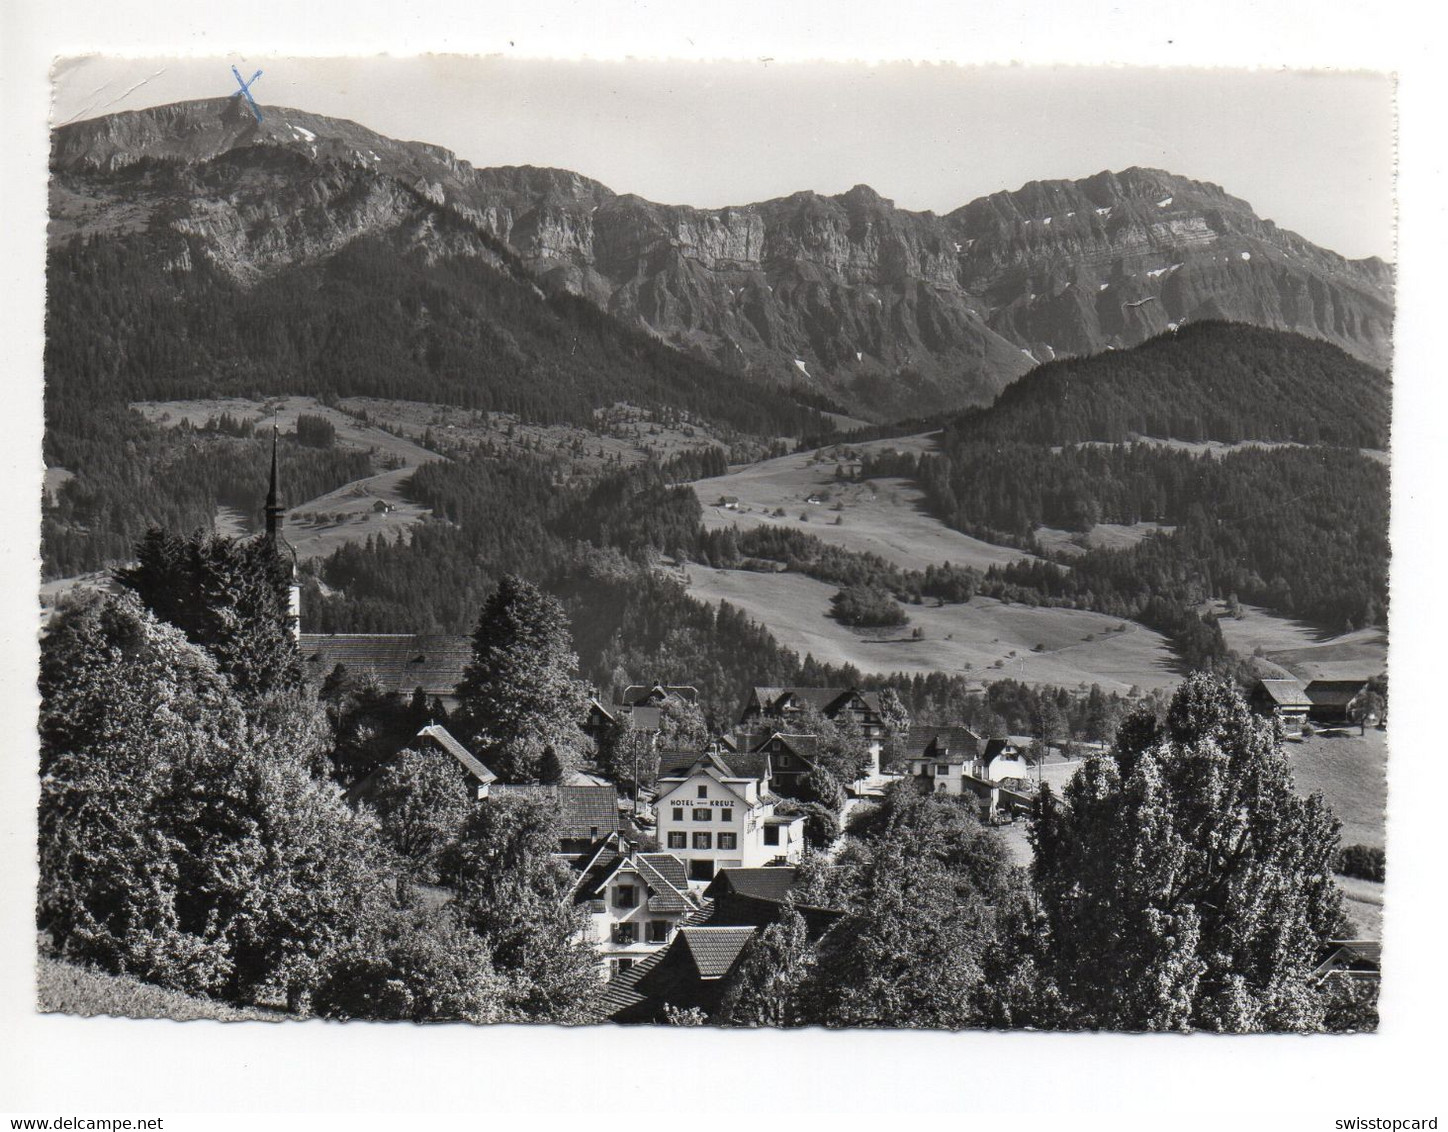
pixel 274 509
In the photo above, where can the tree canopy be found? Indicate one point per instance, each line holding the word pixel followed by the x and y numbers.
pixel 1184 883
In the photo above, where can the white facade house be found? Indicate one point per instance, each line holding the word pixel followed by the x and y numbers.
pixel 713 819
pixel 635 902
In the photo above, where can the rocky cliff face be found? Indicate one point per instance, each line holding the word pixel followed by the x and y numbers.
pixel 887 311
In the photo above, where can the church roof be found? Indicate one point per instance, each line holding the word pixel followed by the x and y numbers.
pixel 398 662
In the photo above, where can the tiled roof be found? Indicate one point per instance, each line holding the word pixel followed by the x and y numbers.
pixel 716 950
pixel 805 746
pixel 584 811
pixel 995 748
pixel 669 867
pixel 762 884
pixel 666 896
pixel 444 739
pixel 399 662
pixel 1334 693
pixel 925 741
pixel 749 764
pixel 1286 693
pixel 622 995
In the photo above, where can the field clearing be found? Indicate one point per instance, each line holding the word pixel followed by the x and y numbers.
pixel 351 433
pixel 1305 651
pixel 881 517
pixel 1103 536
pixel 63 988
pixel 622 435
pixel 1351 772
pixel 958 638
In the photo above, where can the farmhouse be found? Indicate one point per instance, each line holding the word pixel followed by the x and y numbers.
pixel 712 817
pixel 689 974
pixel 1358 959
pixel 1334 702
pixel 1286 700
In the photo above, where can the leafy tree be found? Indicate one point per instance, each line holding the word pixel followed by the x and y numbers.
pixel 764 987
pixel 910 954
pixel 520 694
pixel 172 846
pixel 897 725
pixel 1184 882
pixel 421 799
pixel 511 891
pixel 230 596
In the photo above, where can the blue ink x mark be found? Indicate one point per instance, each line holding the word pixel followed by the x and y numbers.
pixel 245 91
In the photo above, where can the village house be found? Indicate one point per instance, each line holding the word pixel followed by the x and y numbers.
pixel 476 780
pixel 777 707
pixel 635 901
pixel 588 810
pixel 957 762
pixel 1285 699
pixel 599 718
pixel 758 897
pixel 712 818
pixel 689 974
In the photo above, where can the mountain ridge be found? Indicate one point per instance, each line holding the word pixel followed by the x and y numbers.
pixel 886 310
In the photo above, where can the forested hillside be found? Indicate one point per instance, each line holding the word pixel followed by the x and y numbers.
pixel 1301 529
pixel 1206 381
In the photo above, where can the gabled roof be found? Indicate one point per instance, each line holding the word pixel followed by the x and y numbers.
pixel 805 747
pixel 399 662
pixel 998 747
pixel 1334 693
pixel 584 811
pixel 669 867
pixel 639 694
pixel 749 764
pixel 664 894
pixel 827 701
pixel 761 884
pixel 1285 693
pixel 930 741
pixel 715 950
pixel 1358 958
pixel 444 739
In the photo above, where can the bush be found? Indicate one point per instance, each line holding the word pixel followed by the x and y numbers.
pixel 1366 862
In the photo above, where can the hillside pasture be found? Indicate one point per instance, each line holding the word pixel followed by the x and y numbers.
pixel 1103 536
pixel 1301 649
pixel 983 637
pixel 882 516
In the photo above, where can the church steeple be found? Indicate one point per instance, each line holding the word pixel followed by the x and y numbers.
pixel 275 516
pixel 274 510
